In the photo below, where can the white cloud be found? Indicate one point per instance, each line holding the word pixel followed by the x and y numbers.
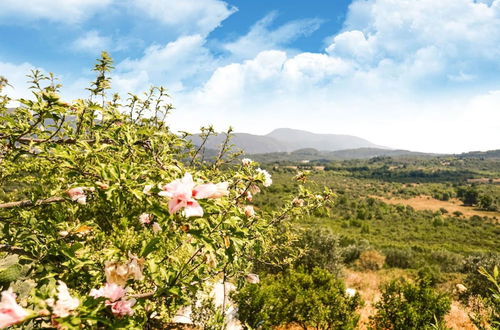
pixel 92 42
pixel 186 16
pixel 68 11
pixel 16 75
pixel 262 37
pixel 406 74
pixel 412 74
pixel 463 32
pixel 172 65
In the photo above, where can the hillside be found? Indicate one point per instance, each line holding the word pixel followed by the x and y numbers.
pixel 300 139
pixel 311 154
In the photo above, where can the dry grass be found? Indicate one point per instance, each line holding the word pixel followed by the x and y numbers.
pixel 367 283
pixel 428 203
pixel 458 318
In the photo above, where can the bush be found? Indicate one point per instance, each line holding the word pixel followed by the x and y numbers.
pixel 410 306
pixel 371 260
pixel 352 252
pixel 315 299
pixel 401 258
pixel 109 197
pixel 488 314
pixel 476 283
pixel 447 261
pixel 321 249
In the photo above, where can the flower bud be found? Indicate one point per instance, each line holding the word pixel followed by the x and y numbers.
pixel 249 211
pixel 63 233
pixel 252 278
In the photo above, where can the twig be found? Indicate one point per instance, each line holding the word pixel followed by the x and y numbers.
pixel 145 294
pixel 28 202
pixel 13 249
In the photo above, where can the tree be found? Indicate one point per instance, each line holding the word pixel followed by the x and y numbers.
pixel 410 306
pixel 316 299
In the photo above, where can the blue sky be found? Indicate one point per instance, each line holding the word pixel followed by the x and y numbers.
pixel 414 74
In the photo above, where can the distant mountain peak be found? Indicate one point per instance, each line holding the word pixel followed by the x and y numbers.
pixel 301 139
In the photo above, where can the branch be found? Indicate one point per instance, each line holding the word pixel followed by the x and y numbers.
pixel 66 140
pixel 13 249
pixel 28 202
pixel 145 294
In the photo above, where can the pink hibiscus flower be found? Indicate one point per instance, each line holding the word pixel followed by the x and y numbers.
pixel 10 312
pixel 184 192
pixel 111 291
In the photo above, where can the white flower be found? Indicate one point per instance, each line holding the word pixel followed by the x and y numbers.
pixel 63 233
pixel 77 195
pixel 246 161
pixel 145 218
pixel 253 278
pixel 249 211
pixel 267 177
pixel 65 303
pixel 350 292
pixel 156 227
pixel 147 189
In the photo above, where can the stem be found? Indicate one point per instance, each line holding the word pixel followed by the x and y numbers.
pixel 28 202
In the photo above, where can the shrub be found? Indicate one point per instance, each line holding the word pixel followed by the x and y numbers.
pixel 447 261
pixel 353 251
pixel 431 275
pixel 400 258
pixel 371 260
pixel 315 299
pixel 321 249
pixel 476 283
pixel 488 314
pixel 410 306
pixel 111 198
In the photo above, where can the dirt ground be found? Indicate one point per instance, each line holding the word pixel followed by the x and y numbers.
pixel 429 203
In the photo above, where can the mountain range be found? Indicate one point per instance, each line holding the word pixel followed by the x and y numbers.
pixel 288 140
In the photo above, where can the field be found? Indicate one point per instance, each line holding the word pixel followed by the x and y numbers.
pixel 415 220
pixel 428 203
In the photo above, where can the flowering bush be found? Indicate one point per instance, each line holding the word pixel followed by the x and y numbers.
pixel 109 219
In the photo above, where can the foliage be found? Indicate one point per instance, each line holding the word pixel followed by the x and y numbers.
pixel 316 299
pixel 410 306
pixel 476 283
pixel 100 194
pixel 371 260
pixel 322 250
pixel 400 258
pixel 491 302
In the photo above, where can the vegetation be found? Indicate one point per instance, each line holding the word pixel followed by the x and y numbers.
pixel 110 220
pixel 314 299
pixel 410 306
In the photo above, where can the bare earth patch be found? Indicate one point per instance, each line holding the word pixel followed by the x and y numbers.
pixel 428 203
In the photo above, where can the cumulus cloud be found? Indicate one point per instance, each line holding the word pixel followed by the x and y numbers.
pixel 16 75
pixel 187 16
pixel 173 65
pixel 396 67
pixel 457 37
pixel 92 42
pixel 262 37
pixel 67 11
